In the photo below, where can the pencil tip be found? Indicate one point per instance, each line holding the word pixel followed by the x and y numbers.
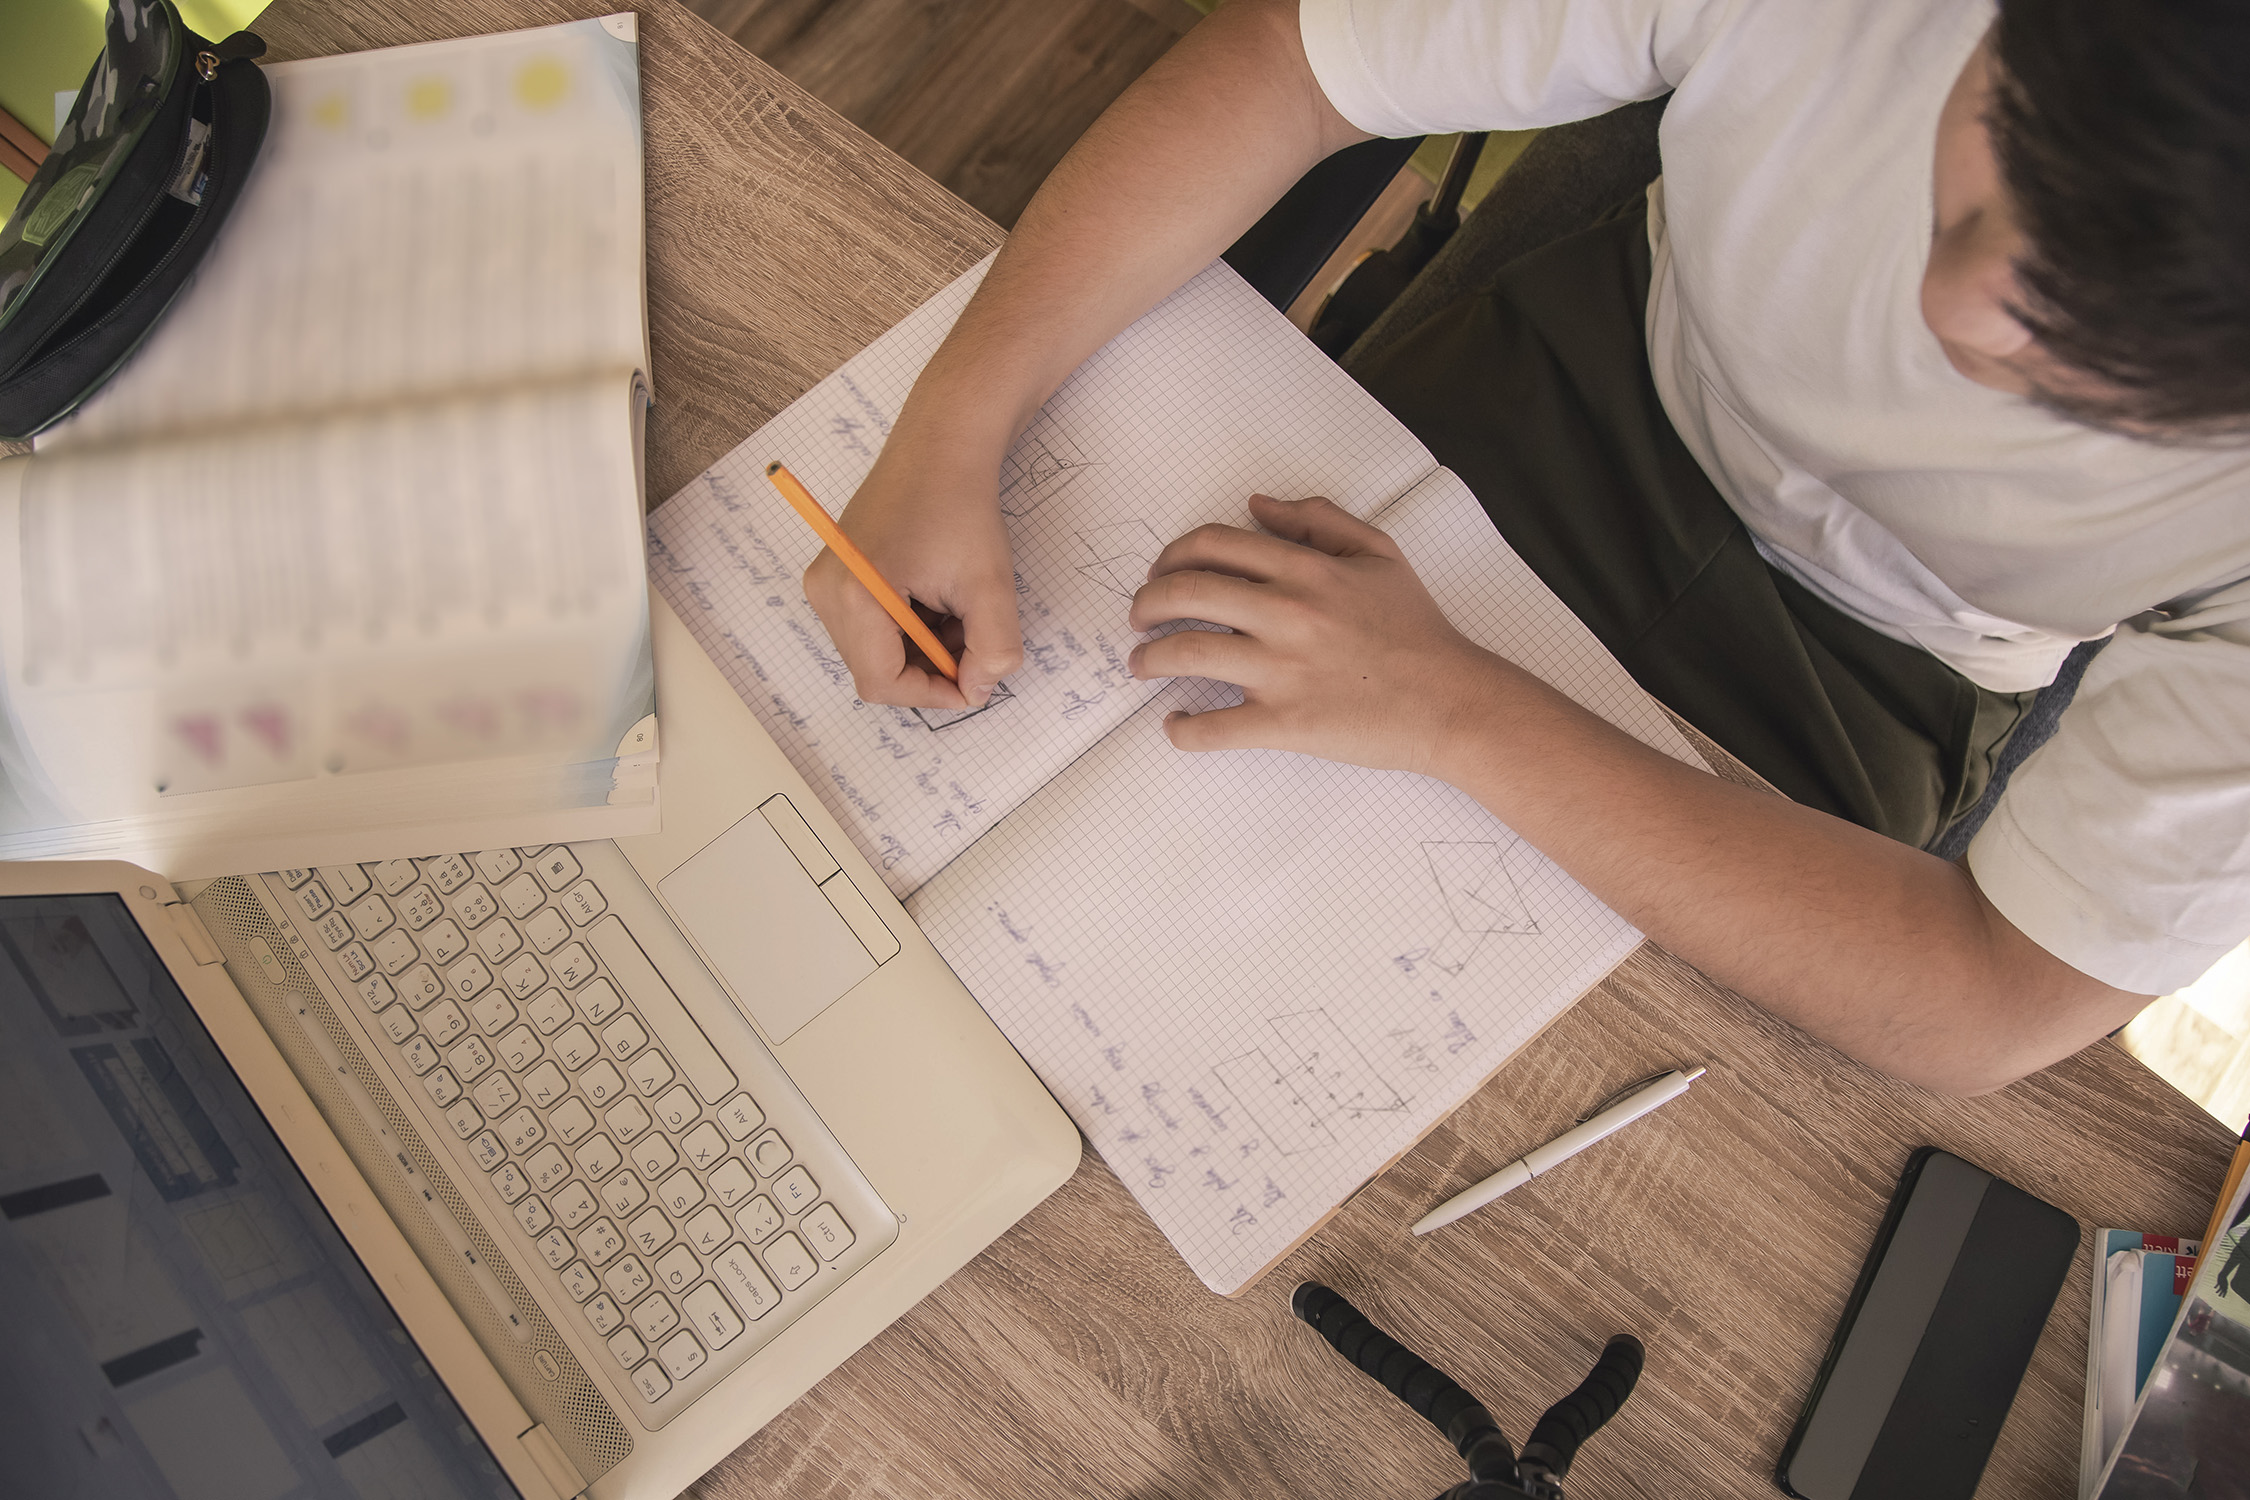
pixel 774 467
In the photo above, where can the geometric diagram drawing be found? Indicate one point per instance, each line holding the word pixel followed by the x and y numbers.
pixel 1480 897
pixel 1123 554
pixel 946 718
pixel 1325 1079
pixel 1040 466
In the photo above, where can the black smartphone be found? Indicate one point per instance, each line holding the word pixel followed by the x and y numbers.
pixel 1934 1341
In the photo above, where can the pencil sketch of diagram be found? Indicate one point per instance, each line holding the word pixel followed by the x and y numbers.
pixel 1123 554
pixel 1480 899
pixel 1040 466
pixel 1309 1077
pixel 946 718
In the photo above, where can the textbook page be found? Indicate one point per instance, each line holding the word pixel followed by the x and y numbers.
pixel 348 557
pixel 1255 978
pixel 1209 398
pixel 425 220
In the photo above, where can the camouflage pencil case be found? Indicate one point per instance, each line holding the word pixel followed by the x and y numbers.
pixel 142 173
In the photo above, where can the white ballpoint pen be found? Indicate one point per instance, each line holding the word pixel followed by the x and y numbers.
pixel 1658 1091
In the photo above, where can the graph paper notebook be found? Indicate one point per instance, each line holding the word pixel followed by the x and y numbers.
pixel 1252 978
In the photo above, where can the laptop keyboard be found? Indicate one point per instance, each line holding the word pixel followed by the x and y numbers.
pixel 644 1175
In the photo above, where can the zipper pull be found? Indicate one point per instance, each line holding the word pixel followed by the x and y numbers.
pixel 241 44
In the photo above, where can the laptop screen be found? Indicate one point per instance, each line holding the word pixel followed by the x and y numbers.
pixel 183 1321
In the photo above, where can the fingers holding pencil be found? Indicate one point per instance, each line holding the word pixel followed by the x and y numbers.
pixel 920 597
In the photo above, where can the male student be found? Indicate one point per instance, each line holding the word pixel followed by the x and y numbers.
pixel 1919 366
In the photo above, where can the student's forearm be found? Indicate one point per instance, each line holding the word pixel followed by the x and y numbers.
pixel 1887 953
pixel 1185 160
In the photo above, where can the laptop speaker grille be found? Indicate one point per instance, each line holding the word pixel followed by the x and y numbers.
pixel 574 1411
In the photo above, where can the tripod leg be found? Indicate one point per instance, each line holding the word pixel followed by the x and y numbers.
pixel 1430 1391
pixel 1554 1442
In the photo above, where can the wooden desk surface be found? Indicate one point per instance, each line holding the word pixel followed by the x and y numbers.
pixel 1078 1355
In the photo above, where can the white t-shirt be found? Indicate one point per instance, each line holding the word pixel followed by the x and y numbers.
pixel 1790 232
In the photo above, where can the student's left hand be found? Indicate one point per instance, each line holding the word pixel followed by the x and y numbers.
pixel 1338 649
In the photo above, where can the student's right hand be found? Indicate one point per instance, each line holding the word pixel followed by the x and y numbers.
pixel 928 517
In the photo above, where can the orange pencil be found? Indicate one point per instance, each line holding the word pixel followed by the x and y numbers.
pixel 894 604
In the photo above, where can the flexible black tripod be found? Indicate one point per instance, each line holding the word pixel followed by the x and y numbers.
pixel 1495 1471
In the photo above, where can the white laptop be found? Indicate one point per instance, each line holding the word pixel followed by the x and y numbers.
pixel 528 1172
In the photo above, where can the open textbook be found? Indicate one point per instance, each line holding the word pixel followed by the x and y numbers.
pixel 346 563
pixel 1252 978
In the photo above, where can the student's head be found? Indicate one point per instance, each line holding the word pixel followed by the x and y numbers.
pixel 2092 245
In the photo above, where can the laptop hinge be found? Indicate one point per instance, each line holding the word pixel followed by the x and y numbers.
pixel 553 1463
pixel 193 933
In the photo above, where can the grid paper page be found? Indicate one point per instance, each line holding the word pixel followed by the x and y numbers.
pixel 1209 398
pixel 1254 979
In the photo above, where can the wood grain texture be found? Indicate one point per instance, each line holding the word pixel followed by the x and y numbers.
pixel 1078 1356
pixel 983 95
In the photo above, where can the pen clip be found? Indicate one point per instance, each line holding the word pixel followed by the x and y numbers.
pixel 1630 1088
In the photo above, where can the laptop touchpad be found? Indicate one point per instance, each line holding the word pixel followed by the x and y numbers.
pixel 774 936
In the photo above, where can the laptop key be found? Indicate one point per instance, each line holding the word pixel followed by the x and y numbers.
pixel 796 1191
pixel 741 1116
pixel 532 1217
pixel 681 1191
pixel 398 1025
pixel 420 985
pixel 524 1130
pixel 510 1183
pixel 347 883
pixel 543 1085
pixel 704 1147
pixel 522 975
pixel 579 1281
pixel 523 895
pixel 497 941
pixel 468 978
pixel 419 907
pixel 418 1054
pixel 571 1120
pixel 627 1119
pixel 677 1268
pixel 557 867
pixel 732 1182
pixel 375 993
pixel 769 1153
pixel 600 1242
pixel 624 1037
pixel 448 872
pixel 547 1167
pixel 711 1315
pixel 626 1348
pixel 758 1219
pixel 495 1094
pixel 445 940
pixel 650 1230
pixel 574 1204
pixel 371 916
pixel 549 1012
pixel 474 906
pixel 554 1249
pixel 333 931
pixel 294 876
pixel 746 1281
pixel 492 1012
pixel 653 1318
pixel 598 1001
pixel 597 1157
pixel 576 1047
pixel 601 1083
pixel 651 1382
pixel 624 1193
pixel 486 1151
pixel 606 1316
pixel 649 1071
pixel 463 1118
pixel 357 962
pixel 826 1228
pixel 445 1023
pixel 443 1087
pixel 708 1230
pixel 682 1355
pixel 312 899
pixel 496 865
pixel 394 950
pixel 792 1264
pixel 471 1058
pixel 573 965
pixel 395 875
pixel 546 929
pixel 583 902
pixel 654 1156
